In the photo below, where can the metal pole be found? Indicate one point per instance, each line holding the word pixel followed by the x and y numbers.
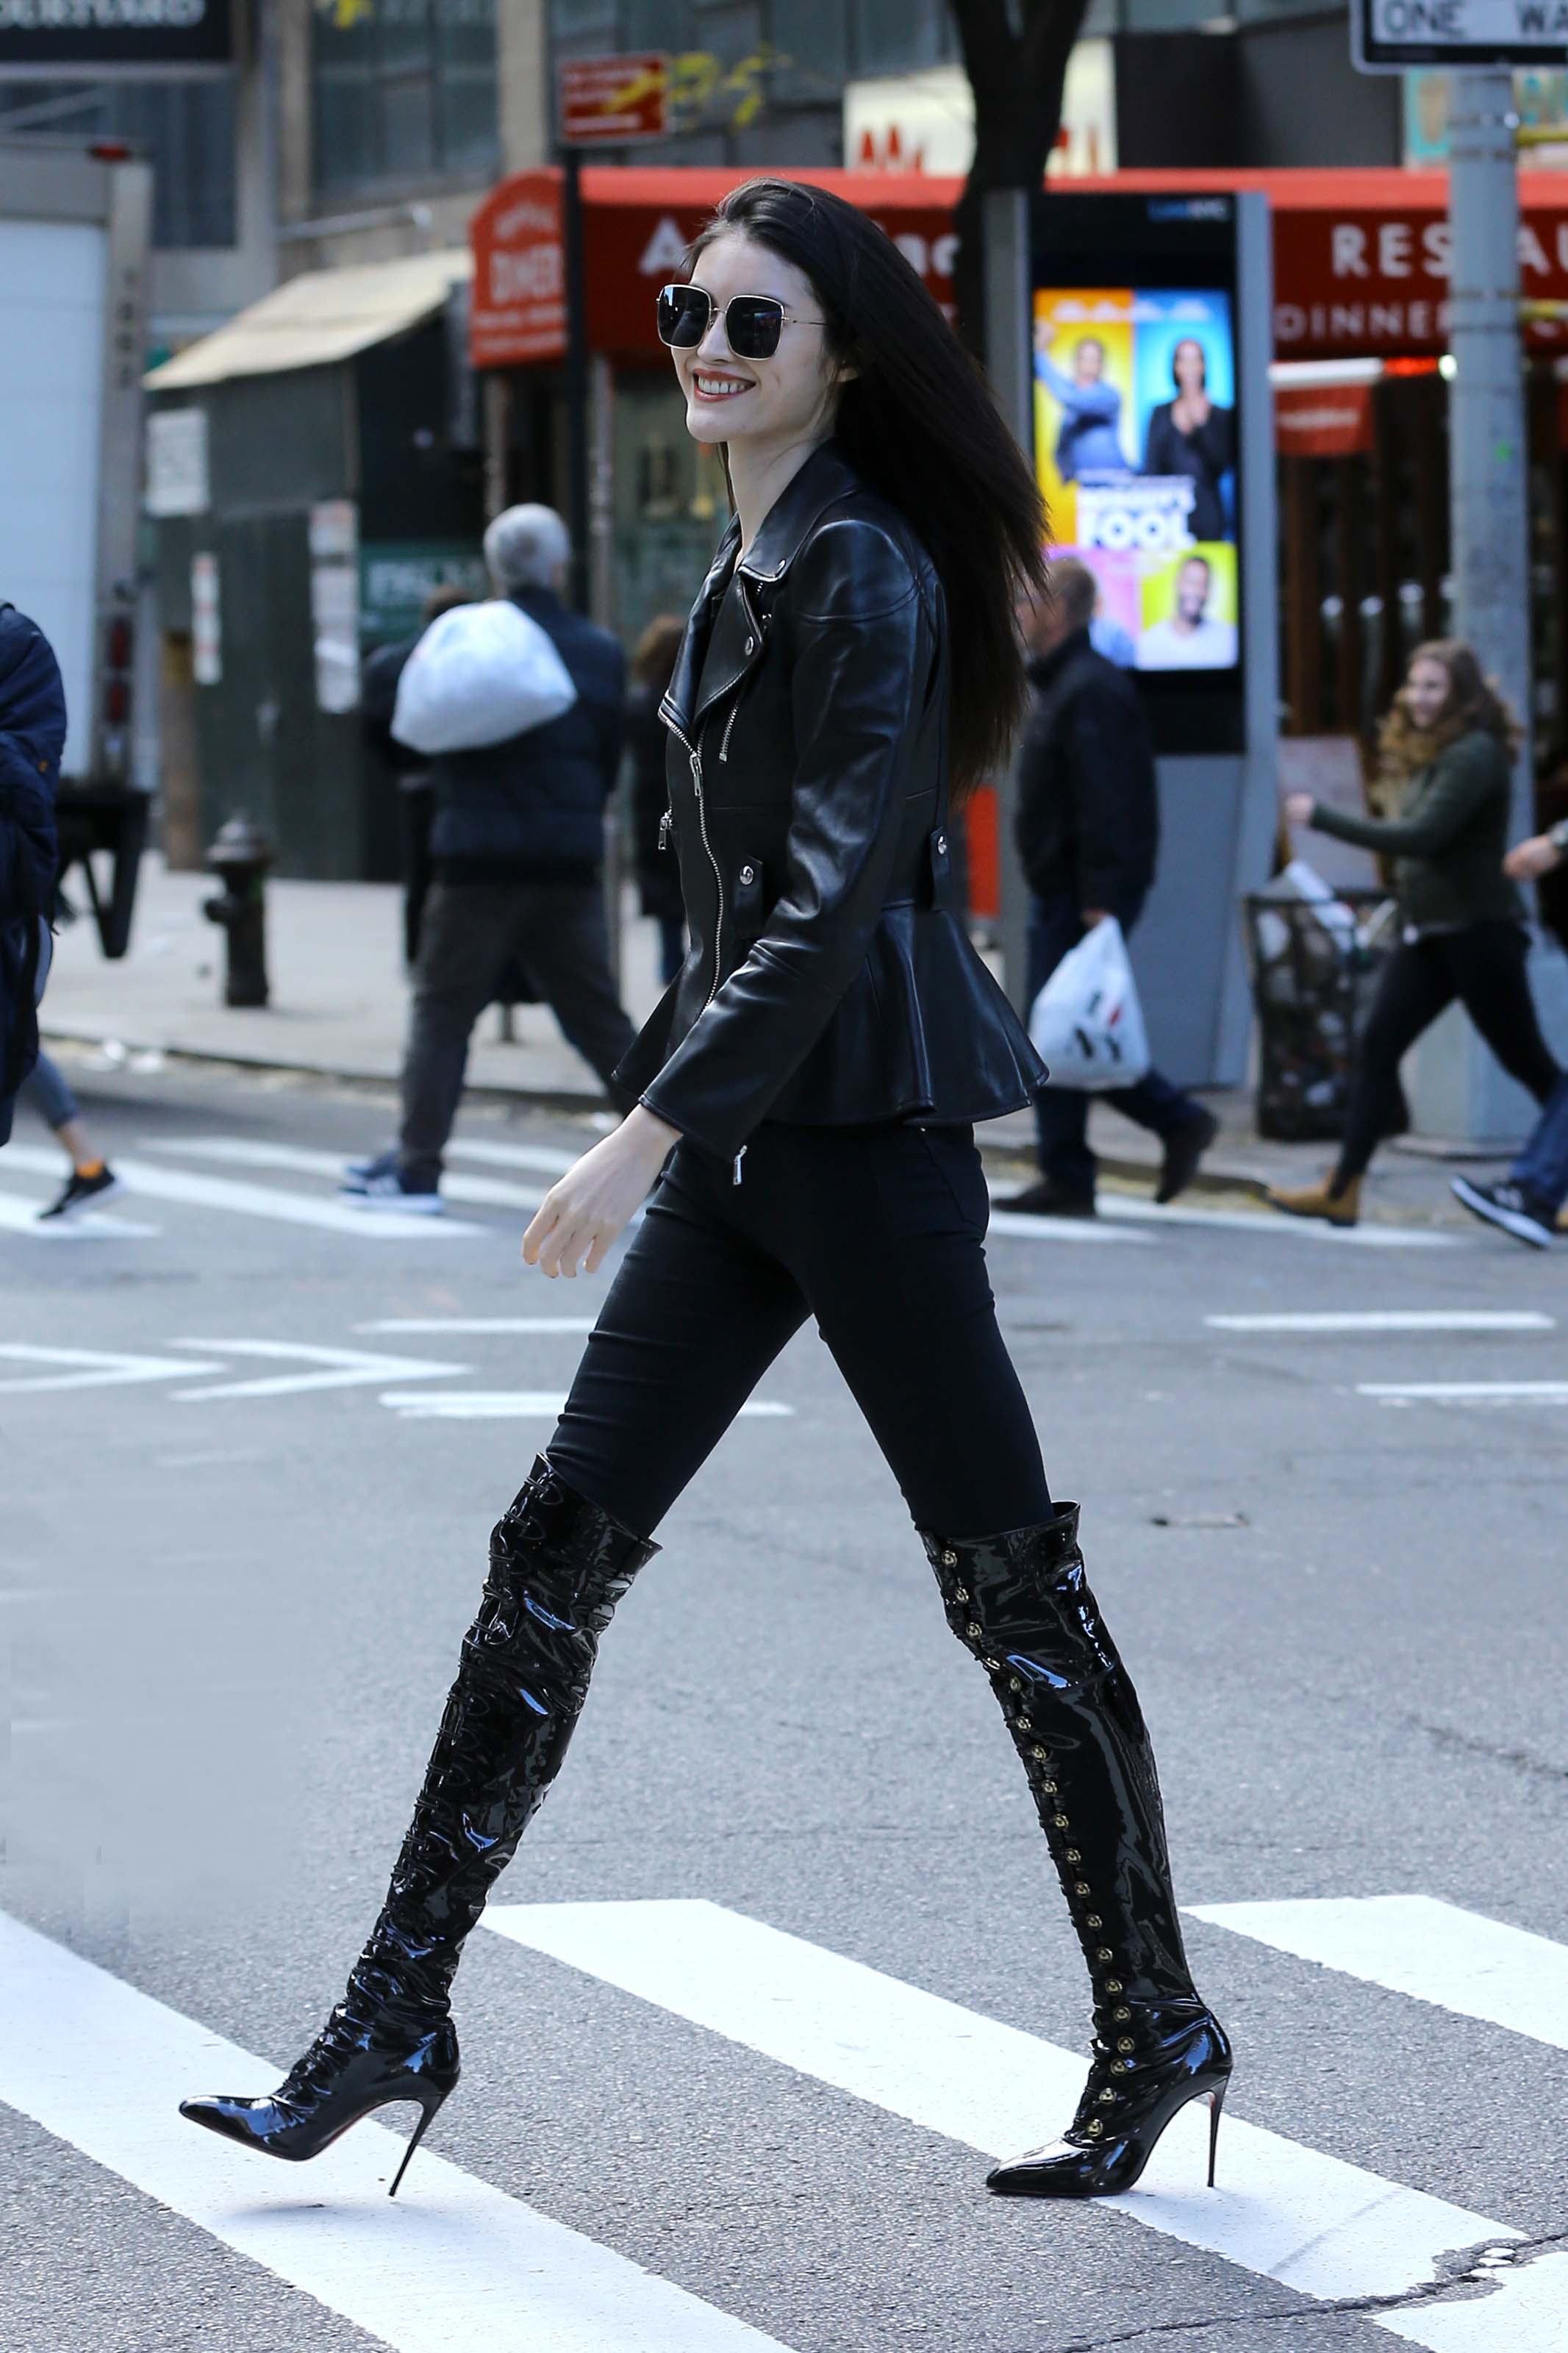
pixel 1009 358
pixel 1458 1092
pixel 1487 449
pixel 578 422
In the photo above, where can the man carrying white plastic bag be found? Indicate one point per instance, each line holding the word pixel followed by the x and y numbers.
pixel 1088 832
pixel 519 704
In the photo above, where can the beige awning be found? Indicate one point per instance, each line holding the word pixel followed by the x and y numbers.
pixel 313 319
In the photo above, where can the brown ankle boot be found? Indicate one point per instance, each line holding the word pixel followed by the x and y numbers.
pixel 1341 1209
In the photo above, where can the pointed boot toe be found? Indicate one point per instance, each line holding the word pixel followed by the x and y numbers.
pixel 252 2123
pixel 1058 2171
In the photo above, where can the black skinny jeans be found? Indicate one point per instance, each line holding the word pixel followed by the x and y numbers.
pixel 1482 966
pixel 878 1233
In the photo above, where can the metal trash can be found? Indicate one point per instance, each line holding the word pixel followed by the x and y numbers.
pixel 1315 965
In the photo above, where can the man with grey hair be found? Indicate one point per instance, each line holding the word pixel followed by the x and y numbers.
pixel 517 848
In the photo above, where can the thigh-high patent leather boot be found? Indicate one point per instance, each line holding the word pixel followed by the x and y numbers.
pixel 558 1566
pixel 1021 1603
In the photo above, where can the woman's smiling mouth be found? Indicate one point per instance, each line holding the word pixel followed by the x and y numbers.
pixel 717 387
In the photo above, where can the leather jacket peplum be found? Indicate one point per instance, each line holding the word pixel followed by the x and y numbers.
pixel 828 982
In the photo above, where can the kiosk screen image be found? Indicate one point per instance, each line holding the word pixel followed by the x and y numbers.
pixel 1135 440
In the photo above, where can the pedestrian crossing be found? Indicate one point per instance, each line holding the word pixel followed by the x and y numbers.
pixel 100 2065
pixel 223 1173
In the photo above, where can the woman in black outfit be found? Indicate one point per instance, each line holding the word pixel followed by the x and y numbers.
pixel 1192 435
pixel 1450 740
pixel 810 1078
pixel 658 876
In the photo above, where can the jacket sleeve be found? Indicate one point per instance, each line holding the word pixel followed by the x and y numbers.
pixel 1108 762
pixel 1469 776
pixel 860 653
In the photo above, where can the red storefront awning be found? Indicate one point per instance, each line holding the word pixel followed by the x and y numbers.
pixel 1361 257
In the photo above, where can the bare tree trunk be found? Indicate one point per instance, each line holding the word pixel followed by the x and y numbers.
pixel 1018 78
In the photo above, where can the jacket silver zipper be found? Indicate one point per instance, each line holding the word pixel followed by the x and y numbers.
pixel 666 821
pixel 728 723
pixel 696 761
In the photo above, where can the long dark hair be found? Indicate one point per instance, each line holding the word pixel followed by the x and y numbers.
pixel 917 423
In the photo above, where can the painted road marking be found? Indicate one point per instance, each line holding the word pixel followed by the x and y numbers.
pixel 1549 1391
pixel 546 1160
pixel 481 1324
pixel 453 2261
pixel 341 1368
pixel 201 1192
pixel 240 1152
pixel 92 1369
pixel 1418 1945
pixel 1311 2221
pixel 19 1215
pixel 518 1405
pixel 1018 1225
pixel 1271 1222
pixel 1394 1319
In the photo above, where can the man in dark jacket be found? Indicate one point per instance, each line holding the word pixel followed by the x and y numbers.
pixel 32 741
pixel 516 847
pixel 1088 832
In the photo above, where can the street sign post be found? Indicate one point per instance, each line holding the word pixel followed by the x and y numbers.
pixel 599 103
pixel 1394 36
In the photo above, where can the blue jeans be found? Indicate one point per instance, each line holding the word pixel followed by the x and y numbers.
pixel 1543 1166
pixel 1061 1114
pixel 45 1088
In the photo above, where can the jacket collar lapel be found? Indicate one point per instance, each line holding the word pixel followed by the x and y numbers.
pixel 825 479
pixel 677 707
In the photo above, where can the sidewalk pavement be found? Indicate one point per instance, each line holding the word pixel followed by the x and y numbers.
pixel 339 1010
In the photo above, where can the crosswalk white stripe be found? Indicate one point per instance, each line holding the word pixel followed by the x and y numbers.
pixel 1271 1224
pixel 340 1368
pixel 1392 1319
pixel 1462 1388
pixel 1419 1945
pixel 1016 1225
pixel 479 1324
pixel 1310 2220
pixel 200 1192
pixel 240 1152
pixel 452 2263
pixel 20 1215
pixel 521 1405
pixel 546 1160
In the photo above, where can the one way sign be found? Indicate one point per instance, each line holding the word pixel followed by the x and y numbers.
pixel 1392 36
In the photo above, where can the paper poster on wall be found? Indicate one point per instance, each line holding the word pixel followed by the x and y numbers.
pixel 1136 440
pixel 206 632
pixel 334 602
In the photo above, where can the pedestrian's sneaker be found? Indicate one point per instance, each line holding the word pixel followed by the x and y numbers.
pixel 379 1164
pixel 1047 1198
pixel 1519 1213
pixel 80 1193
pixel 389 1190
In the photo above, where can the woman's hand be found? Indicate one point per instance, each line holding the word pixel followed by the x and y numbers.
pixel 1298 807
pixel 590 1205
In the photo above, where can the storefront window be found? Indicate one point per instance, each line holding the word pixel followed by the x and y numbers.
pixel 185 129
pixel 404 92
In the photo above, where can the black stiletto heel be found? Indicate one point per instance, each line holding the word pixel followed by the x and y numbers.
pixel 1216 2107
pixel 431 2108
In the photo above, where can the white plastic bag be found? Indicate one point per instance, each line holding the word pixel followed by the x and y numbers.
pixel 478 675
pixel 1087 1024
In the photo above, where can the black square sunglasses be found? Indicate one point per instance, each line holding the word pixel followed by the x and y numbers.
pixel 752 323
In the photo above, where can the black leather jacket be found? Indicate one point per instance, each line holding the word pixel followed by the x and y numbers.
pixel 828 982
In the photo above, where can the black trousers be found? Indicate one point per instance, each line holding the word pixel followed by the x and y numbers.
pixel 1484 967
pixel 469 932
pixel 878 1233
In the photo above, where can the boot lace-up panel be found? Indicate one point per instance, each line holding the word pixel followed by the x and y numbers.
pixel 1021 1604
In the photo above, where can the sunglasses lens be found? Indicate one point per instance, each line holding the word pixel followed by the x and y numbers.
pixel 683 315
pixel 754 323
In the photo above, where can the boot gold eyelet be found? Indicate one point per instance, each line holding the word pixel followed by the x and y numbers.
pixel 1080 1887
pixel 1124 2042
pixel 1061 1823
pixel 1094 2126
pixel 950 1560
pixel 1025 1722
pixel 1123 2013
pixel 1041 1755
pixel 1072 1855
pixel 974 1632
pixel 1093 1920
pixel 1113 1985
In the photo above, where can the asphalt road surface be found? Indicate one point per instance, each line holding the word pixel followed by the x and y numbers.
pixel 783 1964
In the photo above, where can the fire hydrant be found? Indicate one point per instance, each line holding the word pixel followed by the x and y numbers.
pixel 240 858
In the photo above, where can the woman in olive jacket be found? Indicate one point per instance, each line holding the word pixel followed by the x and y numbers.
pixel 810 1078
pixel 1463 921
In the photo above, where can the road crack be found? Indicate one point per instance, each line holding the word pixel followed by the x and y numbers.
pixel 1462 2277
